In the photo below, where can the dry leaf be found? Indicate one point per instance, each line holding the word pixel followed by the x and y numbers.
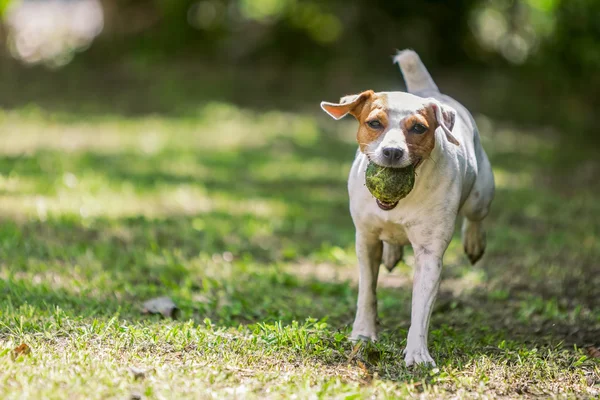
pixel 355 350
pixel 136 396
pixel 161 305
pixel 22 350
pixel 368 377
pixel 137 373
pixel 594 352
pixel 362 366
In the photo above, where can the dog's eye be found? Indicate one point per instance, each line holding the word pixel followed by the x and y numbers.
pixel 375 124
pixel 418 128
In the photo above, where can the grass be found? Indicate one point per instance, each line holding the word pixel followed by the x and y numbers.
pixel 242 219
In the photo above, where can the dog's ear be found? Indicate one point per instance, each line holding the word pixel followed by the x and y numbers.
pixel 445 116
pixel 351 104
pixel 349 99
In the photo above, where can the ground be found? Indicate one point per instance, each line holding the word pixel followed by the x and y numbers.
pixel 241 217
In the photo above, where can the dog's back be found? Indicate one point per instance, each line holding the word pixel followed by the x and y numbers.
pixel 419 82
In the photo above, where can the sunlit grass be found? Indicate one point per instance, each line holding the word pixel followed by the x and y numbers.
pixel 242 219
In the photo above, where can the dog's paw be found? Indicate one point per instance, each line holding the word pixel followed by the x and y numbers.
pixel 363 336
pixel 473 238
pixel 363 332
pixel 418 355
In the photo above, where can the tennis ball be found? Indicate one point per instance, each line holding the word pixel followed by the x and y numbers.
pixel 389 185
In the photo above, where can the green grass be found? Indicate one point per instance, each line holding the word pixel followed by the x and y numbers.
pixel 242 219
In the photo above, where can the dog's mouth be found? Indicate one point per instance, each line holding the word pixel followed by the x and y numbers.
pixel 417 161
pixel 390 206
pixel 386 206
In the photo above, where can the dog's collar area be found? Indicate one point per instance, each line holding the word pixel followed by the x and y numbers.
pixel 386 206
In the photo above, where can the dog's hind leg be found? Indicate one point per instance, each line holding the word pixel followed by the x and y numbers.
pixel 476 209
pixel 473 238
pixel 392 255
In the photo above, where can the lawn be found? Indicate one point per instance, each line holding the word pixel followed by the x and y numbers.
pixel 241 218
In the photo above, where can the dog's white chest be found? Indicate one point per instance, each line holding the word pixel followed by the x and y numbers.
pixel 393 233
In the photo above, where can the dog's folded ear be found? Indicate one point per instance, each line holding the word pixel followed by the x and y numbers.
pixel 349 99
pixel 351 104
pixel 445 116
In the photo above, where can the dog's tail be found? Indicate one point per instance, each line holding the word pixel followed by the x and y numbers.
pixel 415 74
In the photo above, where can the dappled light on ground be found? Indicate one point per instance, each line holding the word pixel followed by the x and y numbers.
pixel 243 221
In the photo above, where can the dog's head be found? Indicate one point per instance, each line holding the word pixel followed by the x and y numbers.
pixel 396 129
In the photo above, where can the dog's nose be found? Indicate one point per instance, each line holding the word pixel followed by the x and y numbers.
pixel 392 154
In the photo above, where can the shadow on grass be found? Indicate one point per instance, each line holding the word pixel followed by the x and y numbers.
pixel 539 277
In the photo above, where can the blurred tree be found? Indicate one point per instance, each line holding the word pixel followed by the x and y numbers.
pixel 537 58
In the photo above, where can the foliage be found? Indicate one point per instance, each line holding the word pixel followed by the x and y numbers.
pixel 533 61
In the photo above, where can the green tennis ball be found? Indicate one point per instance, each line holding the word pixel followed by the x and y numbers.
pixel 389 185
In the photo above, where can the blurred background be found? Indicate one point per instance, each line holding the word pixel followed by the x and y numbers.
pixel 175 145
pixel 534 62
pixel 251 71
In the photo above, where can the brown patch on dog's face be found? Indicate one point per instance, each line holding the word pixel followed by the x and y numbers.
pixel 383 119
pixel 371 111
pixel 372 119
pixel 419 131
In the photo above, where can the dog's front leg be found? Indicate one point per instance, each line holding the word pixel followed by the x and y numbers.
pixel 425 287
pixel 368 251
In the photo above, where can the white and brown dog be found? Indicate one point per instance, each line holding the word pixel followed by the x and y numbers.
pixel 453 177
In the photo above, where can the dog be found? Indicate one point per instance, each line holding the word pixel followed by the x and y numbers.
pixel 437 135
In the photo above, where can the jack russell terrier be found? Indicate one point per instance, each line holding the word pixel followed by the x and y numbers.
pixel 453 177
